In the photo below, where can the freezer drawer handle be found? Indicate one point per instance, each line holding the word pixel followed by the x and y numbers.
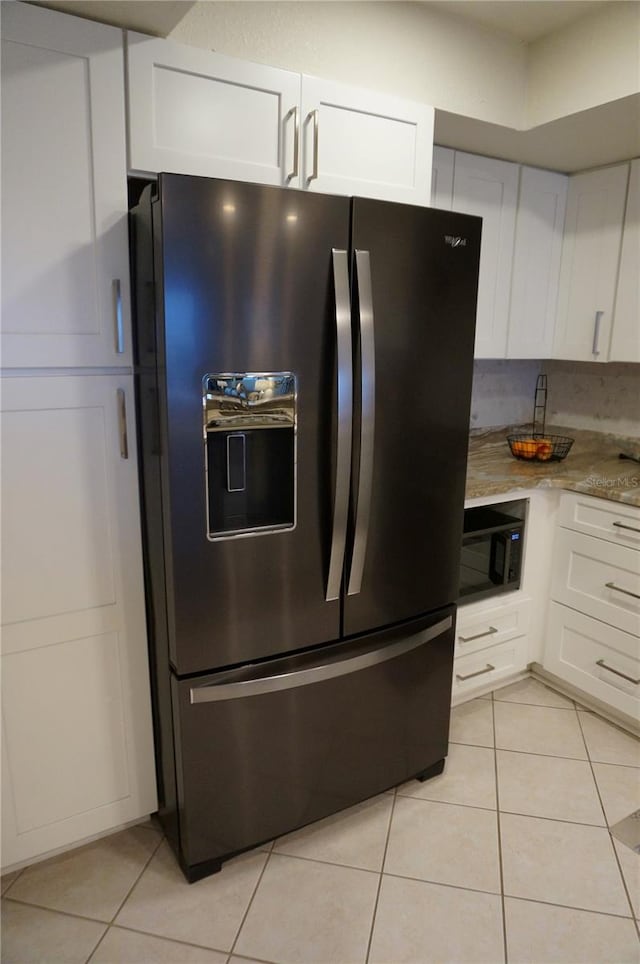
pixel 627 592
pixel 621 525
pixel 345 415
pixel 367 420
pixel 316 674
pixel 488 669
pixel 489 632
pixel 610 669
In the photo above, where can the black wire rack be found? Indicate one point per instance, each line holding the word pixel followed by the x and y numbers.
pixel 537 445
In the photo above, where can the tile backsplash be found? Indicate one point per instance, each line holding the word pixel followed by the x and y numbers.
pixel 600 397
pixel 503 392
pixel 603 398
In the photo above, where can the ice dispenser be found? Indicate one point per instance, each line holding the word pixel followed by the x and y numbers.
pixel 250 452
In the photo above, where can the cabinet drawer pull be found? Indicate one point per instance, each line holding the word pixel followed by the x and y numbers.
pixel 610 669
pixel 627 592
pixel 316 125
pixel 122 424
pixel 467 639
pixel 595 350
pixel 117 315
pixel 294 112
pixel 488 669
pixel 622 525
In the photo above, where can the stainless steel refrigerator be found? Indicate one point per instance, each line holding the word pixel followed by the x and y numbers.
pixel 303 372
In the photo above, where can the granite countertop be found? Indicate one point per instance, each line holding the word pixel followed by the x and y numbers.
pixel 592 466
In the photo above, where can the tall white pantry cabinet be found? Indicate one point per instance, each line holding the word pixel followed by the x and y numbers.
pixel 77 739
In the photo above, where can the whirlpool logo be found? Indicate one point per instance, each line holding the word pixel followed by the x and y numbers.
pixel 455 242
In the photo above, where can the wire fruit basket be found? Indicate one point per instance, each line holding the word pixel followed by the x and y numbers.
pixel 537 445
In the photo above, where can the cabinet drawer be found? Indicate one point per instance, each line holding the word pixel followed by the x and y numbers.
pixel 597 578
pixel 613 521
pixel 596 658
pixel 488 666
pixel 476 631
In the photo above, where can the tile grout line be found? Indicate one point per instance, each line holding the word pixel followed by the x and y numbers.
pixel 251 899
pixel 547 756
pixel 613 847
pixel 134 884
pixel 126 897
pixel 380 876
pixel 162 937
pixel 500 866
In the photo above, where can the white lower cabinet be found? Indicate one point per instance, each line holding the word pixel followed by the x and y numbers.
pixel 598 659
pixel 593 629
pixel 77 736
pixel 491 645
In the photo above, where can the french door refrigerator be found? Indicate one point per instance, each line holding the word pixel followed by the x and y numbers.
pixel 303 372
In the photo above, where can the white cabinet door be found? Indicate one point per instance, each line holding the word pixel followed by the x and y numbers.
pixel 536 263
pixel 192 111
pixel 65 271
pixel 489 188
pixel 365 143
pixel 442 178
pixel 590 254
pixel 625 337
pixel 78 753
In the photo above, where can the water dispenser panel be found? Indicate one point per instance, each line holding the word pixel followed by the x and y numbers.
pixel 249 423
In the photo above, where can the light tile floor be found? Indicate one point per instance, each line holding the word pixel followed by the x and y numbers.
pixel 506 856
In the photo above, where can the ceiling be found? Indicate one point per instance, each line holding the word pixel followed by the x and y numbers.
pixel 525 20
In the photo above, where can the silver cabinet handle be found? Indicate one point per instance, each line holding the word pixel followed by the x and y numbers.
pixel 117 315
pixel 122 423
pixel 627 592
pixel 345 416
pixel 367 419
pixel 616 672
pixel 316 130
pixel 488 669
pixel 295 113
pixel 595 350
pixel 467 639
pixel 213 692
pixel 622 525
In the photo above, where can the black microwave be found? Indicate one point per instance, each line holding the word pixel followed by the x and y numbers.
pixel 491 558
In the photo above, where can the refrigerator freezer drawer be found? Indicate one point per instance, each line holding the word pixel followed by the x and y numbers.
pixel 276 746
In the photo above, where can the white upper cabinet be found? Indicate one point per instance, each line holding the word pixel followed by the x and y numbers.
pixel 590 254
pixel 442 178
pixel 489 188
pixel 625 337
pixel 192 111
pixel 536 263
pixel 65 272
pixel 362 142
pixel 77 736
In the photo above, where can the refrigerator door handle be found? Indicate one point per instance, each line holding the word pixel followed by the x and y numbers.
pixel 345 418
pixel 367 420
pixel 214 692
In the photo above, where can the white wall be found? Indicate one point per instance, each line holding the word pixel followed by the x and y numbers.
pixel 594 60
pixel 429 55
pixel 400 48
